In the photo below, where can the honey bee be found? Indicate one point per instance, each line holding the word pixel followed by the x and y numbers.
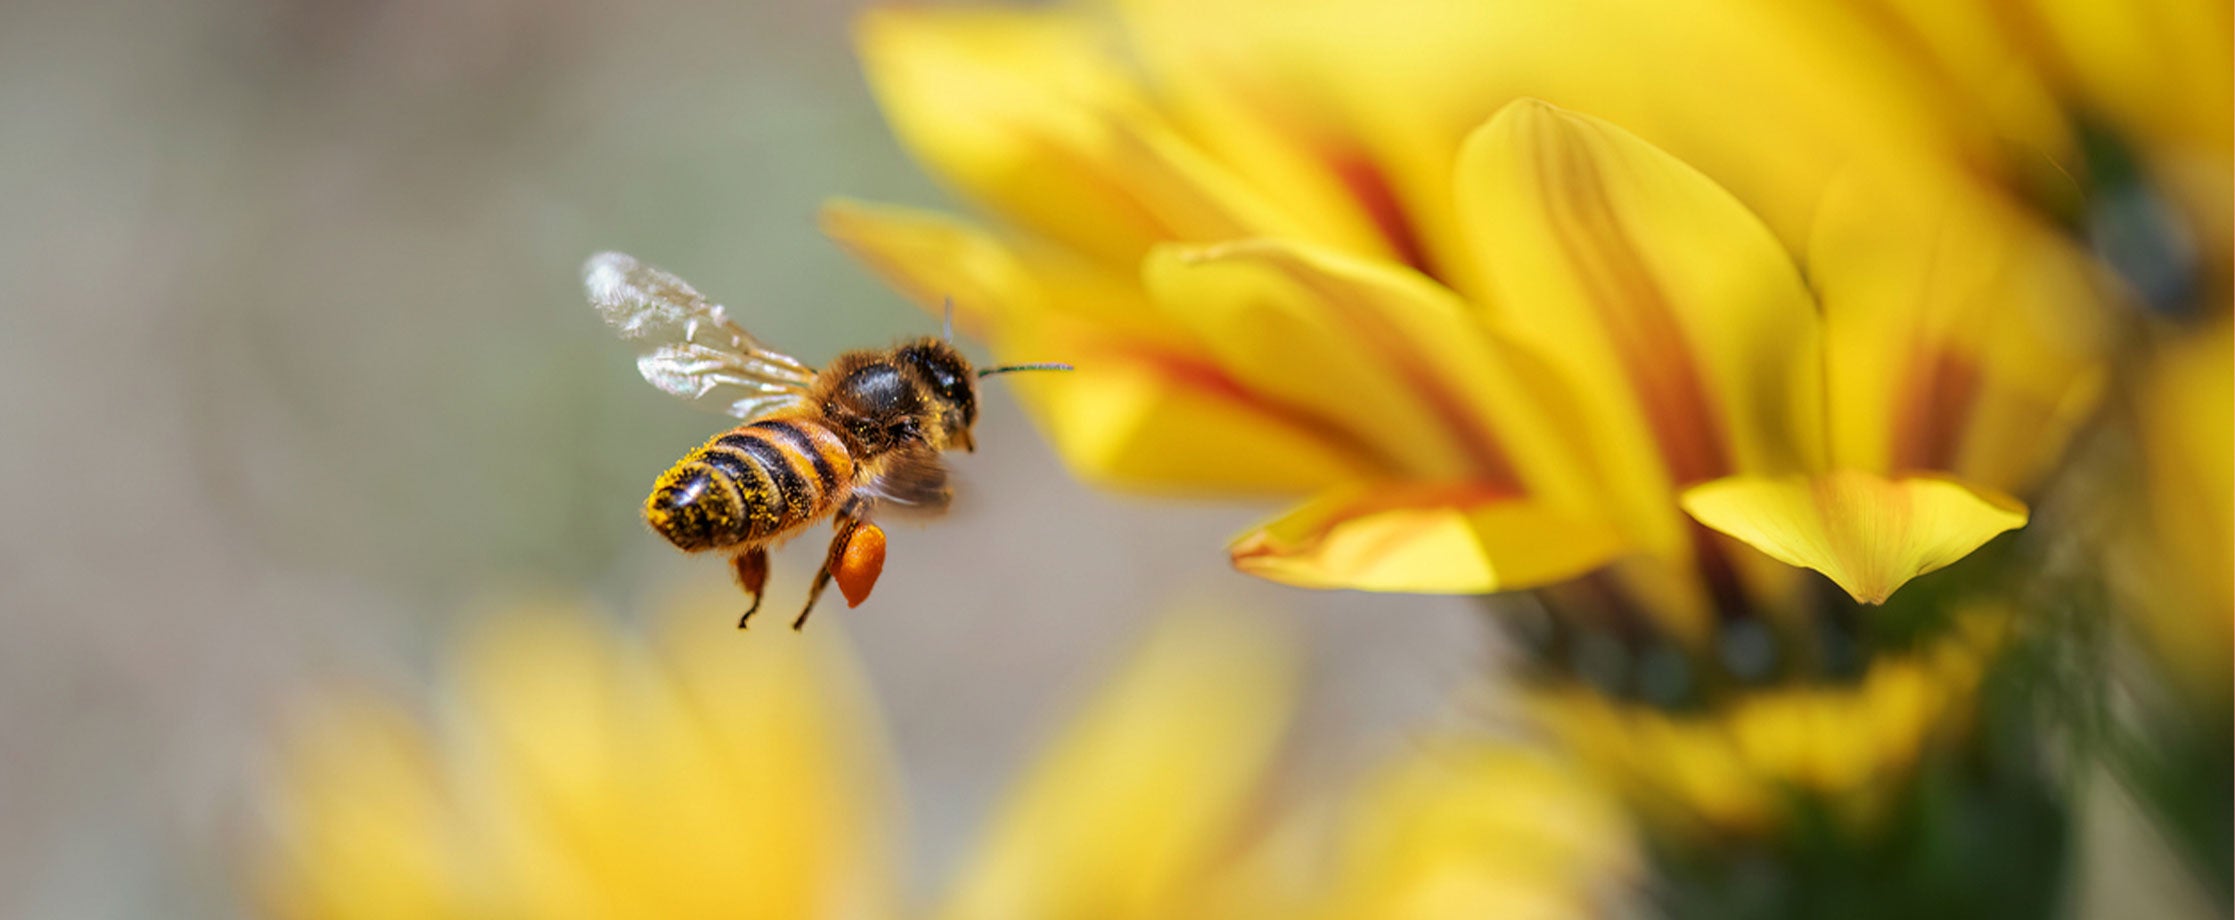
pixel 863 432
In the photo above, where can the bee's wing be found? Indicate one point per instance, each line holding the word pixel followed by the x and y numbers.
pixel 913 482
pixel 686 344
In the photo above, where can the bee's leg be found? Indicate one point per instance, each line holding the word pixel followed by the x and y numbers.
pixel 752 575
pixel 822 575
pixel 856 557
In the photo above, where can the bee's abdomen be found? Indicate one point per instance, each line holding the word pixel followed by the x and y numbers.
pixel 751 485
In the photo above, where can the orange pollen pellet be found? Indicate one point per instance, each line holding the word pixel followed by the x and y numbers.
pixel 861 563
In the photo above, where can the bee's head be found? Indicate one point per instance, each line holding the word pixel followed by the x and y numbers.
pixel 947 383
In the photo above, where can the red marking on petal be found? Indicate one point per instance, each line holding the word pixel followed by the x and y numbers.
pixel 1638 318
pixel 1369 185
pixel 1936 403
pixel 1459 422
pixel 1208 379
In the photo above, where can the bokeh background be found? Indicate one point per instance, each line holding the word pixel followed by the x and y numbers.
pixel 295 375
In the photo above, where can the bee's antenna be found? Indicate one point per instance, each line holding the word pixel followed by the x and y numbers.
pixel 1011 368
pixel 947 326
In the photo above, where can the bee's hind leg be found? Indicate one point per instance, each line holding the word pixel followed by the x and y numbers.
pixel 752 575
pixel 856 558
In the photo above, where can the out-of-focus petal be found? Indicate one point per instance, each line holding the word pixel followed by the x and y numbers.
pixel 1249 87
pixel 783 734
pixel 2154 75
pixel 1744 765
pixel 1679 316
pixel 1868 533
pixel 1424 539
pixel 1965 56
pixel 727 778
pixel 1032 113
pixel 1384 351
pixel 932 259
pixel 363 831
pixel 1015 284
pixel 1148 789
pixel 1146 407
pixel 1411 78
pixel 1475 829
pixel 579 774
pixel 1676 773
pixel 1165 422
pixel 2185 598
pixel 1959 335
pixel 2159 68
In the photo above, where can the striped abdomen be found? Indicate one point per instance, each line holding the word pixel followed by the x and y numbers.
pixel 751 485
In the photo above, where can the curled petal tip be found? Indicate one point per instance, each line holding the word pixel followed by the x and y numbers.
pixel 1870 534
pixel 1452 539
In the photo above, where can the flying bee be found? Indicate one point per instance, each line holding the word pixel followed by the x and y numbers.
pixel 863 432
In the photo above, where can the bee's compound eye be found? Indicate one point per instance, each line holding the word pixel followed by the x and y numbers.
pixel 955 387
pixel 945 371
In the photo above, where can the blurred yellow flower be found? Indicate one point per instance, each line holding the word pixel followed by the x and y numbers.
pixel 1739 766
pixel 1336 253
pixel 576 770
pixel 580 772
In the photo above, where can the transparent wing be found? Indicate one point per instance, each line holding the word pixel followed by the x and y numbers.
pixel 913 482
pixel 686 344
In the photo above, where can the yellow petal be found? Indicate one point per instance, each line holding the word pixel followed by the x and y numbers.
pixel 1146 408
pixel 728 778
pixel 1967 55
pixel 1959 334
pixel 2159 70
pixel 933 259
pixel 2184 576
pixel 362 828
pixel 1246 86
pixel 1412 78
pixel 1134 418
pixel 1147 789
pixel 1423 539
pixel 1465 828
pixel 2157 73
pixel 1013 285
pixel 1867 533
pixel 1682 321
pixel 1680 774
pixel 1382 351
pixel 1032 114
pixel 766 737
pixel 579 775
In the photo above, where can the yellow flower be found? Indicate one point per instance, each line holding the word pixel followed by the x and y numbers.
pixel 1739 766
pixel 575 772
pixel 578 772
pixel 1335 253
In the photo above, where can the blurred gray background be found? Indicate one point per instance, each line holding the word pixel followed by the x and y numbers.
pixel 294 369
